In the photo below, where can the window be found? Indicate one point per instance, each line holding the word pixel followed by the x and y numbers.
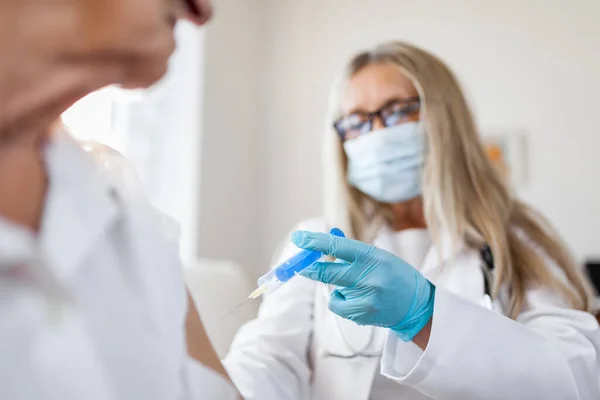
pixel 158 130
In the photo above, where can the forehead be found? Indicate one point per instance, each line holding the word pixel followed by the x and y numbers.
pixel 375 85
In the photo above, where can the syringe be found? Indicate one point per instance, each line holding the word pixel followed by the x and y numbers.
pixel 275 278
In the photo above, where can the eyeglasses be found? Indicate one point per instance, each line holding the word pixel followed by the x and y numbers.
pixel 394 113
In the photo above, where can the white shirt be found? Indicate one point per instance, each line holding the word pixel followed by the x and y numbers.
pixel 94 306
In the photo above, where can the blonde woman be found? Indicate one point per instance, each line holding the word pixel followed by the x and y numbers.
pixel 463 291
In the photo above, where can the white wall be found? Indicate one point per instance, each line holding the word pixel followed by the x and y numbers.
pixel 230 185
pixel 530 65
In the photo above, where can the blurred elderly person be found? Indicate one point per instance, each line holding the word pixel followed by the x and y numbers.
pixel 91 292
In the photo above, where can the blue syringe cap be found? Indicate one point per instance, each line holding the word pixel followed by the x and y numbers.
pixel 337 232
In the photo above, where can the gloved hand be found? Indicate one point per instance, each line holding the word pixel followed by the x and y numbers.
pixel 374 286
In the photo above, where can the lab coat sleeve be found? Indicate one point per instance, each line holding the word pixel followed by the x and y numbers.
pixel 549 352
pixel 268 359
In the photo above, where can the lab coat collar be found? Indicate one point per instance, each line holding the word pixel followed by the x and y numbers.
pixel 435 258
pixel 438 257
pixel 80 206
pixel 457 267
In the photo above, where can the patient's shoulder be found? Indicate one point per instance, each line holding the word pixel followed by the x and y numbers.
pixel 116 168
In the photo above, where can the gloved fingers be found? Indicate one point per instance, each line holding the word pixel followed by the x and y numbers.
pixel 350 308
pixel 336 302
pixel 332 273
pixel 339 247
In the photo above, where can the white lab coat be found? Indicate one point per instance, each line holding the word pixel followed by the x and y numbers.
pixel 95 306
pixel 550 352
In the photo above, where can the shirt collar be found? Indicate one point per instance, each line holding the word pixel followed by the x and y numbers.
pixel 80 206
pixel 17 245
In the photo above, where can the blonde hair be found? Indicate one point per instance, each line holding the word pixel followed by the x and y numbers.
pixel 463 193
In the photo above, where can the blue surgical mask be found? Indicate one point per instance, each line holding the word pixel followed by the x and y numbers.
pixel 387 164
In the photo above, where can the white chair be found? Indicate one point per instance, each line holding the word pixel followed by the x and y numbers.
pixel 217 287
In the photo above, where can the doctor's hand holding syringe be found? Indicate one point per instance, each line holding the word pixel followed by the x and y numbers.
pixel 374 286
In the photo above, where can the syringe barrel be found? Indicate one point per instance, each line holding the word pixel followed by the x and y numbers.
pixel 270 280
pixel 300 261
pixel 296 264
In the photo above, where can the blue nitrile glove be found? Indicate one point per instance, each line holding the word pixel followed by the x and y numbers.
pixel 374 286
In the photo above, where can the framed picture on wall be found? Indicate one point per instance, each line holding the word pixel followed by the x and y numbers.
pixel 507 152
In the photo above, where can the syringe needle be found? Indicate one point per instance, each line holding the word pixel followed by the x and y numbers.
pixel 234 309
pixel 254 295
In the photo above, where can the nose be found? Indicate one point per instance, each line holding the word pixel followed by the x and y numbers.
pixel 378 122
pixel 198 11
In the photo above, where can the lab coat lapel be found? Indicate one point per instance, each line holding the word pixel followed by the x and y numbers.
pixel 456 270
pixel 455 267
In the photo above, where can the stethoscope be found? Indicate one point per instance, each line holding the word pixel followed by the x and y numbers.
pixel 488 274
pixel 362 352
